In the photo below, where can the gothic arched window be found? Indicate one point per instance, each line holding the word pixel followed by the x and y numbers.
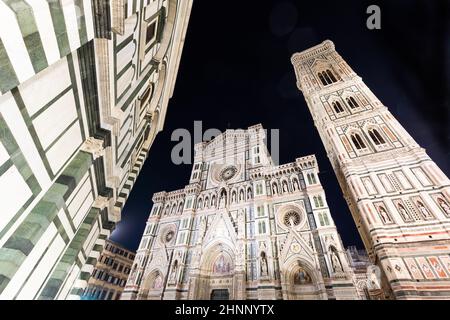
pixel 352 102
pixel 327 77
pixel 320 201
pixel 249 193
pixel 358 141
pixel 331 75
pixel 337 107
pixel 376 137
pixel 311 178
pixel 322 79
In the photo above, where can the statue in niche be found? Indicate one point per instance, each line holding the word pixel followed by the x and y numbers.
pixel 173 274
pixel 337 267
pixel 296 186
pixel 263 262
pixel 423 210
pixel 233 198
pixel 274 188
pixel 285 186
pixel 384 215
pixel 405 215
pixel 444 205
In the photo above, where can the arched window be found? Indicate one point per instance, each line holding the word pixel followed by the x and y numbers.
pixel 358 141
pixel 376 137
pixel 337 107
pixel 352 102
pixel 331 75
pixel 311 178
pixel 320 201
pixel 322 79
pixel 327 77
pixel 316 201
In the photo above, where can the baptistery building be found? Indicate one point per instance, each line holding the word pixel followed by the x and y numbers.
pixel 242 228
pixel 84 89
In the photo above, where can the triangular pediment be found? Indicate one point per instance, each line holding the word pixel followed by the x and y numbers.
pixel 296 245
pixel 220 228
pixel 320 63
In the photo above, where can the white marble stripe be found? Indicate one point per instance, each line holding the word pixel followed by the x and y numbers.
pixel 15 46
pixel 92 237
pixel 19 130
pixel 83 211
pixel 34 283
pixel 27 266
pixel 44 24
pixel 80 91
pixel 70 279
pixel 87 5
pixel 3 154
pixel 65 223
pixel 70 17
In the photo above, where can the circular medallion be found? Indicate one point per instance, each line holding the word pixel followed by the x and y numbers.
pixel 291 219
pixel 169 236
pixel 228 173
pixel 295 248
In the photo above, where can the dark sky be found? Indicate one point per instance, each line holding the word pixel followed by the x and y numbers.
pixel 235 72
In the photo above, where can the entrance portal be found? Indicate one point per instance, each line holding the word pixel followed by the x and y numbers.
pixel 220 294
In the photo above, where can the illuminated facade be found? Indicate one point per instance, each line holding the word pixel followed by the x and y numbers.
pixel 243 228
pixel 398 197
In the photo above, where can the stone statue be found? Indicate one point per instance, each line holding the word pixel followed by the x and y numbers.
pixel 296 187
pixel 444 206
pixel 173 274
pixel 384 215
pixel 403 212
pixel 263 262
pixel 337 267
pixel 424 210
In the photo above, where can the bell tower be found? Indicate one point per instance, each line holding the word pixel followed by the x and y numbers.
pixel 398 197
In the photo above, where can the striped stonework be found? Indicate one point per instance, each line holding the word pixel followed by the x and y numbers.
pixel 81 102
pixel 398 196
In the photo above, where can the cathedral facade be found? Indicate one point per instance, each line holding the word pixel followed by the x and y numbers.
pixel 243 228
pixel 398 197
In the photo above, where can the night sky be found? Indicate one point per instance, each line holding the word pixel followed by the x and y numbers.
pixel 236 72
